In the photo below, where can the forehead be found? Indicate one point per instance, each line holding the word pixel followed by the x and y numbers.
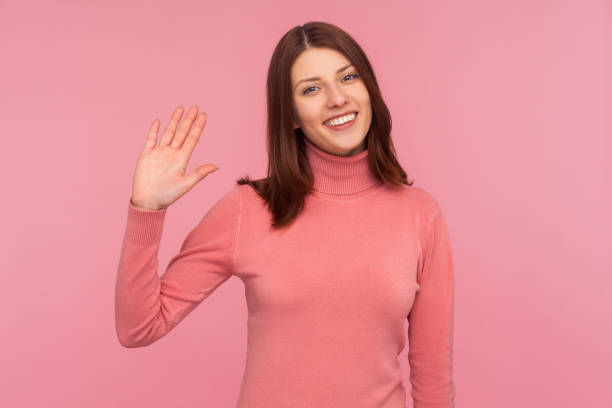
pixel 317 62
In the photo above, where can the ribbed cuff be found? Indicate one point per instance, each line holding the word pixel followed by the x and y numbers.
pixel 144 226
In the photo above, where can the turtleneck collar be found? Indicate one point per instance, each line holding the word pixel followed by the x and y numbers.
pixel 339 175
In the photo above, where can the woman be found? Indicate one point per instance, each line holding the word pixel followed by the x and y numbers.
pixel 337 251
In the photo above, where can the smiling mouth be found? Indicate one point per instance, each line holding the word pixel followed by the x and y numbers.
pixel 343 125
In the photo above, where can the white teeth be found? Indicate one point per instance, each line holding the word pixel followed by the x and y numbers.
pixel 341 120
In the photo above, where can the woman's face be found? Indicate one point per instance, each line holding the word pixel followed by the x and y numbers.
pixel 335 90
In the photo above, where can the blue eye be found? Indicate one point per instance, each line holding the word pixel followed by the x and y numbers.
pixel 314 86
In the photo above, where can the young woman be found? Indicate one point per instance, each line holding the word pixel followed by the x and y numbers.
pixel 338 252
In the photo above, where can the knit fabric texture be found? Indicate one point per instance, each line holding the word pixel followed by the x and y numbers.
pixel 331 300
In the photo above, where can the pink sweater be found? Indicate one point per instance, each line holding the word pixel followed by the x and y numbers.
pixel 331 300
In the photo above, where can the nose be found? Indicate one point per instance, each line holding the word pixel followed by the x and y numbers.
pixel 337 97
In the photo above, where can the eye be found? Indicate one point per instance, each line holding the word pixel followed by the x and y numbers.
pixel 306 90
pixel 314 86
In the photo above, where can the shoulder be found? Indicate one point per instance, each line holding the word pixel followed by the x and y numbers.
pixel 420 201
pixel 226 207
pixel 230 197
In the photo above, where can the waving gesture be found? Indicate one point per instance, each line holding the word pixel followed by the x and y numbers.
pixel 159 178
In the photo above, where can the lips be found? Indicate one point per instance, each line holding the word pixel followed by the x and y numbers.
pixel 344 125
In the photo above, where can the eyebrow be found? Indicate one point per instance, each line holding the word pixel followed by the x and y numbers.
pixel 315 78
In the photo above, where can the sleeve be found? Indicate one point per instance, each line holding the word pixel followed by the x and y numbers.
pixel 147 306
pixel 430 329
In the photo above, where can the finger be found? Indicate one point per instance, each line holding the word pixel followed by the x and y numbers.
pixel 198 174
pixel 171 128
pixel 152 136
pixel 183 128
pixel 186 126
pixel 194 135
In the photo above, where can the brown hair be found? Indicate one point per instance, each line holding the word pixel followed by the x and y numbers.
pixel 290 177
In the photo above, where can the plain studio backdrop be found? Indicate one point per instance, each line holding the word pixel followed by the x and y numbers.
pixel 501 110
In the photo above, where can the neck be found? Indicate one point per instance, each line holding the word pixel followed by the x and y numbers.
pixel 339 175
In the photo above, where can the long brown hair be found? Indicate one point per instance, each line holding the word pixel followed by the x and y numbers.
pixel 289 178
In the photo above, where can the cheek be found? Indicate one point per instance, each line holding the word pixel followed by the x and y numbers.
pixel 366 105
pixel 309 115
pixel 361 93
pixel 300 114
pixel 365 97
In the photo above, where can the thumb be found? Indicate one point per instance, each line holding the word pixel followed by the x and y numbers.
pixel 201 172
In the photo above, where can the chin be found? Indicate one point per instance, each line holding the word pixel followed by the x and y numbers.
pixel 345 149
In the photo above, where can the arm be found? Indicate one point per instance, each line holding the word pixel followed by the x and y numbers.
pixel 430 329
pixel 147 306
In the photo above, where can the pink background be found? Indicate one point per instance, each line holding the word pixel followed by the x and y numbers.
pixel 501 110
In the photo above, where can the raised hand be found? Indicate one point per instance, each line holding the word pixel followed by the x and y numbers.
pixel 159 178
